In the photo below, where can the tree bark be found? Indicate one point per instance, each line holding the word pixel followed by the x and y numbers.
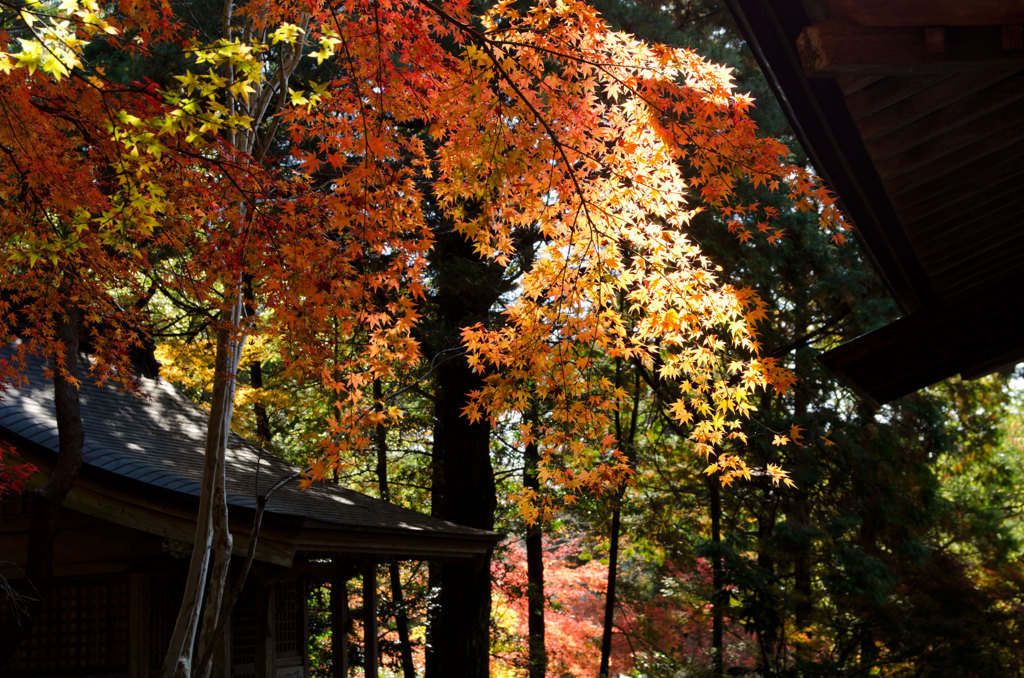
pixel 463 479
pixel 625 439
pixel 339 627
pixel 767 620
pixel 717 579
pixel 461 621
pixel 535 600
pixel 609 601
pixel 17 620
pixel 371 649
pixel 212 534
pixel 394 576
pixel 259 409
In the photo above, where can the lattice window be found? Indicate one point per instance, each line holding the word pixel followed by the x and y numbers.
pixel 288 631
pixel 82 628
pixel 243 635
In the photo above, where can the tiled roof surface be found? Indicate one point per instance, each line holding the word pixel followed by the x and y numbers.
pixel 159 440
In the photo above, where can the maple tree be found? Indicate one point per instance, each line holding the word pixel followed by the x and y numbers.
pixel 661 631
pixel 300 214
pixel 12 476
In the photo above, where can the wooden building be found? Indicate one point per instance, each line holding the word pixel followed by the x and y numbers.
pixel 122 549
pixel 913 111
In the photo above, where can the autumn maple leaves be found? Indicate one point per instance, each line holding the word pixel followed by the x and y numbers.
pixel 305 148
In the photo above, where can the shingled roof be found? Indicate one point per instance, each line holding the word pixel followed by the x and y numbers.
pixel 148 452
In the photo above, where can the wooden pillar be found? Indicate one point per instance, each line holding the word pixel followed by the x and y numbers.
pixel 339 626
pixel 370 650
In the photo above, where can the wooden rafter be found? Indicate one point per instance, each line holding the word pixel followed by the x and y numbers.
pixel 836 47
pixel 911 13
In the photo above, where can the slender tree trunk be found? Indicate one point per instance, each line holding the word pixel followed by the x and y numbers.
pixel 212 521
pixel 401 621
pixel 394 576
pixel 212 533
pixel 799 514
pixel 371 649
pixel 339 627
pixel 609 602
pixel 625 439
pixel 17 621
pixel 259 410
pixel 718 598
pixel 535 600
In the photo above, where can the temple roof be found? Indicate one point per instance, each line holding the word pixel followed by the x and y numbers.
pixel 148 452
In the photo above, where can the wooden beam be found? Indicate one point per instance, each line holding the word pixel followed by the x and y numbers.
pixel 982 156
pixel 1013 37
pixel 166 519
pixel 941 95
pixel 967 138
pixel 933 220
pixel 886 92
pixel 970 331
pixel 394 545
pixel 929 12
pixel 930 234
pixel 833 48
pixel 954 178
pixel 1002 96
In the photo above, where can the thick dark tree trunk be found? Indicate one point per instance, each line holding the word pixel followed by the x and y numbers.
pixel 768 618
pixel 463 479
pixel 803 595
pixel 18 616
pixel 259 409
pixel 535 601
pixel 460 624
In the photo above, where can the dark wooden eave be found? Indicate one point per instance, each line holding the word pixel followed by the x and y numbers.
pixel 913 111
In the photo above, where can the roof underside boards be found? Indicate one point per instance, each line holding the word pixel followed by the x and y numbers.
pixel 148 451
pixel 913 111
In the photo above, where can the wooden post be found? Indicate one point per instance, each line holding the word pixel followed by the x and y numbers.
pixel 339 626
pixel 370 650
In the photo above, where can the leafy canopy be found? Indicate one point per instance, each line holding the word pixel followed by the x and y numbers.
pixel 538 121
